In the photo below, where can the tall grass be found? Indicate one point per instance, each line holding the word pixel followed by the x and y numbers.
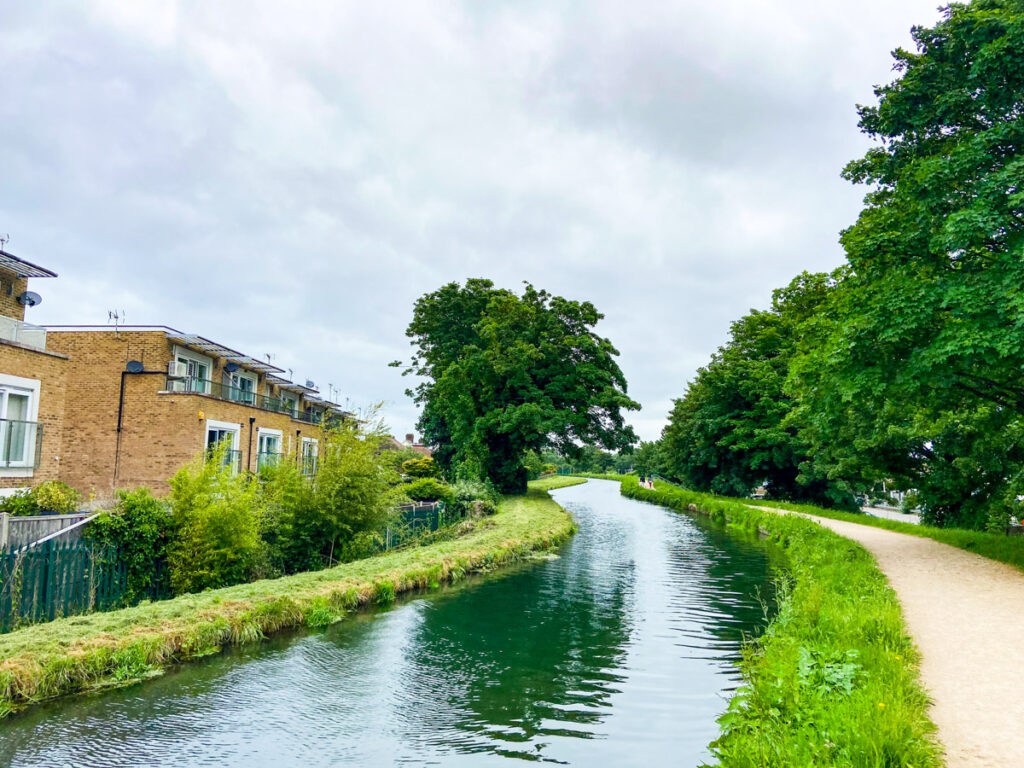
pixel 70 655
pixel 833 681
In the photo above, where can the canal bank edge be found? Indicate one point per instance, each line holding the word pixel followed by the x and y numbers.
pixel 81 653
pixel 834 679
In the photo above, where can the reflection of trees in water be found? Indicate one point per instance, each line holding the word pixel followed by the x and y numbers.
pixel 724 606
pixel 513 661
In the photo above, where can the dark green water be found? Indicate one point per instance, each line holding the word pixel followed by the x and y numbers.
pixel 619 652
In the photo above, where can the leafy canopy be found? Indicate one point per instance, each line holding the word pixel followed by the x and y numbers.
pixel 730 432
pixel 923 347
pixel 506 374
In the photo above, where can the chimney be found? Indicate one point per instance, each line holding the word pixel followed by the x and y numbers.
pixel 410 438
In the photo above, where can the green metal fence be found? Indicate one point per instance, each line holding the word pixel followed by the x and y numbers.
pixel 57 579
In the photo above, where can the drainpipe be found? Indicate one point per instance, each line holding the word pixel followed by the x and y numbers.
pixel 120 416
pixel 248 458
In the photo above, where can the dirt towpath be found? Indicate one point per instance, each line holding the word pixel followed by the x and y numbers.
pixel 966 615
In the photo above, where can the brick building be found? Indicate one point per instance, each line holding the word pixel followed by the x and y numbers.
pixel 32 384
pixel 147 399
pixel 103 408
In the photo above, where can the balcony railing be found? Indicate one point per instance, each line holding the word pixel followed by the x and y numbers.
pixel 246 397
pixel 266 460
pixel 21 443
pixel 12 329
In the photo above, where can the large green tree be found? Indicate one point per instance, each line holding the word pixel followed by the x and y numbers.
pixel 916 371
pixel 505 374
pixel 731 430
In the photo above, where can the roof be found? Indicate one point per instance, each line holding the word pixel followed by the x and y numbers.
pixel 22 268
pixel 203 344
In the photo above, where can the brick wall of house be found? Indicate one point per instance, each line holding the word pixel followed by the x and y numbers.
pixel 160 431
pixel 50 369
pixel 93 392
pixel 164 431
pixel 11 286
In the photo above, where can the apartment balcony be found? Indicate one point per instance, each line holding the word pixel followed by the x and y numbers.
pixel 231 394
pixel 21 444
pixel 20 332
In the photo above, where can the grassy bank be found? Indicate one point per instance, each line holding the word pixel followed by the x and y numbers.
pixel 997 546
pixel 85 652
pixel 555 481
pixel 833 681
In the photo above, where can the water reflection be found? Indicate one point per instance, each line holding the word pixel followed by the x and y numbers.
pixel 618 652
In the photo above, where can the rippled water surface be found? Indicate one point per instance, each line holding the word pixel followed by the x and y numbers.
pixel 619 652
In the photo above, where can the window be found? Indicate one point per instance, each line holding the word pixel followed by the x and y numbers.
pixel 243 388
pixel 197 378
pixel 19 431
pixel 291 403
pixel 269 448
pixel 310 446
pixel 221 435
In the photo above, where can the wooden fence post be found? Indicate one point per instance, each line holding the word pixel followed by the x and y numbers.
pixel 4 529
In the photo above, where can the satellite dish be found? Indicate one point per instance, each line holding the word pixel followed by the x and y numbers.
pixel 231 367
pixel 29 299
pixel 310 384
pixel 134 366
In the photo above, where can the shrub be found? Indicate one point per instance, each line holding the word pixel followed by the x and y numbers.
pixel 51 496
pixel 465 492
pixel 350 495
pixel 55 496
pixel 428 489
pixel 217 516
pixel 20 503
pixel 422 466
pixel 141 528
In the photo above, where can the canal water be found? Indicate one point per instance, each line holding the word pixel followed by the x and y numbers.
pixel 620 651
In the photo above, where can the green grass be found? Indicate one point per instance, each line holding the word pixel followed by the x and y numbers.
pixel 997 546
pixel 84 652
pixel 833 681
pixel 555 481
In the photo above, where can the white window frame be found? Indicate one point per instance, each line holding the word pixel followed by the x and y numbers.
pixel 32 388
pixel 262 432
pixel 243 374
pixel 198 359
pixel 315 453
pixel 227 426
pixel 293 400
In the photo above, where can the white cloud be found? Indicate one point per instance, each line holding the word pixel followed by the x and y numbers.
pixel 289 180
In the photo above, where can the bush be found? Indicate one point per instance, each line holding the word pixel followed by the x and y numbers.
pixel 51 496
pixel 314 520
pixel 218 517
pixel 20 503
pixel 428 489
pixel 422 466
pixel 55 496
pixel 465 492
pixel 141 528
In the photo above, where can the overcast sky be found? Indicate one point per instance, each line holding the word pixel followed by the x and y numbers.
pixel 287 178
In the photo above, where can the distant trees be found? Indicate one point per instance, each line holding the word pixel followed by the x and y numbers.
pixel 730 432
pixel 506 374
pixel 908 368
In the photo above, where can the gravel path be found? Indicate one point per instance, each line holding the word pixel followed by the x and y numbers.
pixel 966 615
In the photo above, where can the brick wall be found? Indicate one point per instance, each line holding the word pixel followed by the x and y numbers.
pixel 160 431
pixel 50 370
pixel 11 286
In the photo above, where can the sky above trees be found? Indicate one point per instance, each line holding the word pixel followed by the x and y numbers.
pixel 290 182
